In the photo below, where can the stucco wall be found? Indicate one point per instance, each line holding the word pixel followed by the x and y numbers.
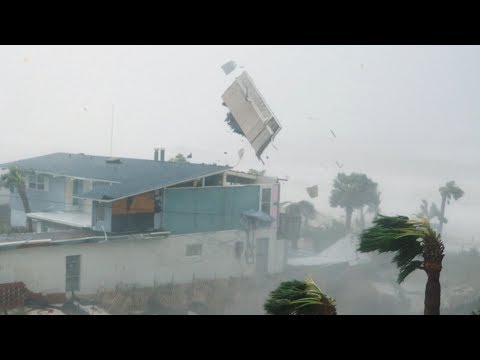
pixel 136 261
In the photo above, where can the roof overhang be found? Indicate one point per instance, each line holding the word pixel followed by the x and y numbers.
pixel 150 189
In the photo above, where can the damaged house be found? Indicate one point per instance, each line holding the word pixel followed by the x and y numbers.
pixel 101 221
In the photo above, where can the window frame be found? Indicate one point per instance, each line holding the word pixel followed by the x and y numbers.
pixel 32 182
pixel 192 253
pixel 264 202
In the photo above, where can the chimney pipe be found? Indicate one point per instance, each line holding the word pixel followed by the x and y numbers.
pixel 155 154
pixel 162 154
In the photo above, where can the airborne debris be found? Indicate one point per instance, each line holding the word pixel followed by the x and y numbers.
pixel 333 133
pixel 241 152
pixel 229 67
pixel 249 113
pixel 313 191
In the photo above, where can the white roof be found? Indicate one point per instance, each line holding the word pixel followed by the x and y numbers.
pixel 344 250
pixel 69 218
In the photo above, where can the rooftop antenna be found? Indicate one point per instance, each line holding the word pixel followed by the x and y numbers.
pixel 111 132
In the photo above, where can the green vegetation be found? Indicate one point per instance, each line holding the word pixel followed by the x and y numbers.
pixel 410 240
pixel 354 192
pixel 299 298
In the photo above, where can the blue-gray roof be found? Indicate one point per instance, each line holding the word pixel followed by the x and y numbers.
pixel 129 177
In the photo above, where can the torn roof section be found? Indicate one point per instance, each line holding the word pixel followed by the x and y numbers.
pixel 122 178
pixel 251 113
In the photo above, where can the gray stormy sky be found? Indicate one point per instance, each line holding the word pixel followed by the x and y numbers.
pixel 405 115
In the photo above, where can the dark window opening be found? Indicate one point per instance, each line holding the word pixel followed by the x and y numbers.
pixel 72 273
pixel 214 180
pixel 194 250
pixel 266 200
pixel 77 189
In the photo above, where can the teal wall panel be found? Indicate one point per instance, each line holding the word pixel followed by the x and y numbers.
pixel 190 210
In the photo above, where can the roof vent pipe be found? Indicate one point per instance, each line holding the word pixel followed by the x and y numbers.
pixel 155 154
pixel 162 154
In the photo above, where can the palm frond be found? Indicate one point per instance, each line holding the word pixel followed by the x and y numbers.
pixel 299 298
pixel 401 235
pixel 408 269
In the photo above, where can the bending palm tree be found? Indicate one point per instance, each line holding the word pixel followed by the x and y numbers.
pixel 447 192
pixel 410 240
pixel 299 298
pixel 16 179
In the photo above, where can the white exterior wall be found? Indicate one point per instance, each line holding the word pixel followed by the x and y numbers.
pixel 42 269
pixel 17 218
pixel 4 196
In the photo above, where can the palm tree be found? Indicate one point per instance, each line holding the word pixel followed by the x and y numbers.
pixel 179 158
pixel 352 192
pixel 410 240
pixel 15 178
pixel 303 209
pixel 447 192
pixel 299 298
pixel 430 213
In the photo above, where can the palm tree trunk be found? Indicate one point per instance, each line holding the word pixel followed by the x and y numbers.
pixel 348 220
pixel 432 289
pixel 26 206
pixel 442 214
pixel 362 219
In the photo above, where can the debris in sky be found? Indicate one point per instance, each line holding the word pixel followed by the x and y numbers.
pixel 225 153
pixel 333 133
pixel 84 108
pixel 229 67
pixel 339 165
pixel 253 119
pixel 313 191
pixel 241 152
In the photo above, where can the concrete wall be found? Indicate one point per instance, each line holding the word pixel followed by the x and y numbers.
pixel 135 261
pixel 51 200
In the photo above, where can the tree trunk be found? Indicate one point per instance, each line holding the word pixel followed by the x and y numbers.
pixel 432 289
pixel 362 219
pixel 26 206
pixel 348 220
pixel 442 214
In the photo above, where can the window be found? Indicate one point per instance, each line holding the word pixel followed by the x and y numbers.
pixel 266 200
pixel 72 273
pixel 38 182
pixel 77 189
pixel 194 250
